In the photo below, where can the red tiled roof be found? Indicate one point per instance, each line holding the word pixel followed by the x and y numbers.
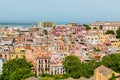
pixel 28 47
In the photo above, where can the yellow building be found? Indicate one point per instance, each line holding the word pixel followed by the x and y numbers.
pixel 104 73
pixel 69 47
pixel 19 49
pixel 41 47
pixel 19 53
pixel 115 43
pixel 46 24
pixel 73 24
pixel 96 24
pixel 16 55
pixel 103 38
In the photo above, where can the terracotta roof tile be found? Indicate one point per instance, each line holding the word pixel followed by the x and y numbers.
pixel 104 70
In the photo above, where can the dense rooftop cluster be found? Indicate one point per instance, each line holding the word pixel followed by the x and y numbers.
pixel 46 45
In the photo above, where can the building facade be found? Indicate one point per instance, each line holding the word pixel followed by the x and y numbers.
pixel 104 73
pixel 43 65
pixel 46 24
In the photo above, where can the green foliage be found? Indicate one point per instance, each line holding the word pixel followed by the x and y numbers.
pixel 112 61
pixel 101 27
pixel 94 27
pixel 19 69
pixel 6 27
pixel 113 77
pixel 110 32
pixel 74 68
pixel 46 32
pixel 44 75
pixel 16 69
pixel 0 76
pixel 59 76
pixel 52 77
pixel 118 33
pixel 87 69
pixel 47 78
pixel 119 28
pixel 21 73
pixel 72 65
pixel 87 27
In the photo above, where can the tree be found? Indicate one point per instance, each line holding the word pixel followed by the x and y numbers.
pixel 119 28
pixel 118 33
pixel 59 76
pixel 16 69
pixel 0 77
pixel 112 61
pixel 21 73
pixel 47 78
pixel 101 27
pixel 94 27
pixel 6 27
pixel 72 66
pixel 52 77
pixel 87 69
pixel 46 32
pixel 87 26
pixel 110 32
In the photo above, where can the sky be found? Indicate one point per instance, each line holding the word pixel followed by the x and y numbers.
pixel 59 11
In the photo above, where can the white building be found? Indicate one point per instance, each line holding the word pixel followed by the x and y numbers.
pixel 107 27
pixel 1 64
pixel 91 39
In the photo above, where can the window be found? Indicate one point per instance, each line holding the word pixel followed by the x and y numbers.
pixel 48 61
pixel 48 65
pixel 16 56
pixel 95 38
pixel 39 66
pixel 41 61
pixel 22 51
pixel 0 55
pixel 86 53
pixel 45 61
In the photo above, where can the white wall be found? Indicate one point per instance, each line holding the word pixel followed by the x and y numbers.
pixel 1 64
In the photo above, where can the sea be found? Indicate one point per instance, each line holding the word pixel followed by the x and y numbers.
pixel 18 24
